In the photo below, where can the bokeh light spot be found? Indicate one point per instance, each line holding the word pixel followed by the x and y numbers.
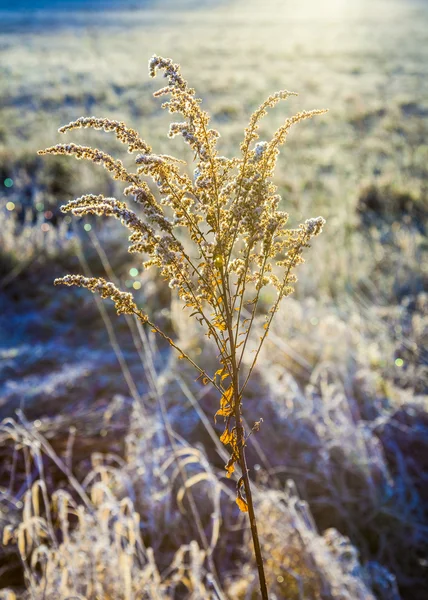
pixel 8 182
pixel 48 214
pixel 45 227
pixel 280 579
pixel 87 227
pixel 10 205
pixel 399 362
pixel 133 272
pixel 136 285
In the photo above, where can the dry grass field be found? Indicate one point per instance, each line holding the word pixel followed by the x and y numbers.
pixel 108 443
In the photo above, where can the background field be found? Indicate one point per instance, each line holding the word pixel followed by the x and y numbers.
pixel 344 377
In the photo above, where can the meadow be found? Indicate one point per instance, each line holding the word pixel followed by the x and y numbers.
pixel 112 480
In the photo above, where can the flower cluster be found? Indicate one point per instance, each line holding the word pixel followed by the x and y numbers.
pixel 115 167
pixel 124 302
pixel 123 133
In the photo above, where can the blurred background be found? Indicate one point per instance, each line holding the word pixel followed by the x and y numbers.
pixel 341 461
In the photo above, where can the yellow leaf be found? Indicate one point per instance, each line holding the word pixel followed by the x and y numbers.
pixel 226 437
pixel 226 404
pixel 243 506
pixel 223 412
pixel 230 467
pixel 226 399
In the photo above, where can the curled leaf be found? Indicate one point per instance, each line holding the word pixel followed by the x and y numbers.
pixel 227 437
pixel 243 506
pixel 240 501
pixel 226 404
pixel 230 467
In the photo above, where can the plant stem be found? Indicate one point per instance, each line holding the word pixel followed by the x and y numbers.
pixel 249 498
pixel 240 439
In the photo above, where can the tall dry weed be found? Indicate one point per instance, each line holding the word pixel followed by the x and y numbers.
pixel 217 237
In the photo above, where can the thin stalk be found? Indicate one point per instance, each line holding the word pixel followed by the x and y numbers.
pixel 249 498
pixel 253 312
pixel 154 384
pixel 241 446
pixel 272 314
pixel 181 352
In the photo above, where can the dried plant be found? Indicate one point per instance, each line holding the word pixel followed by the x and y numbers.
pixel 218 239
pixel 87 542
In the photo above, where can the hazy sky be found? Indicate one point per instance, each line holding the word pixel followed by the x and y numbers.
pixel 17 5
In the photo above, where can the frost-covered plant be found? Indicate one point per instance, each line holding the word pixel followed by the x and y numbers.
pixel 87 541
pixel 235 242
